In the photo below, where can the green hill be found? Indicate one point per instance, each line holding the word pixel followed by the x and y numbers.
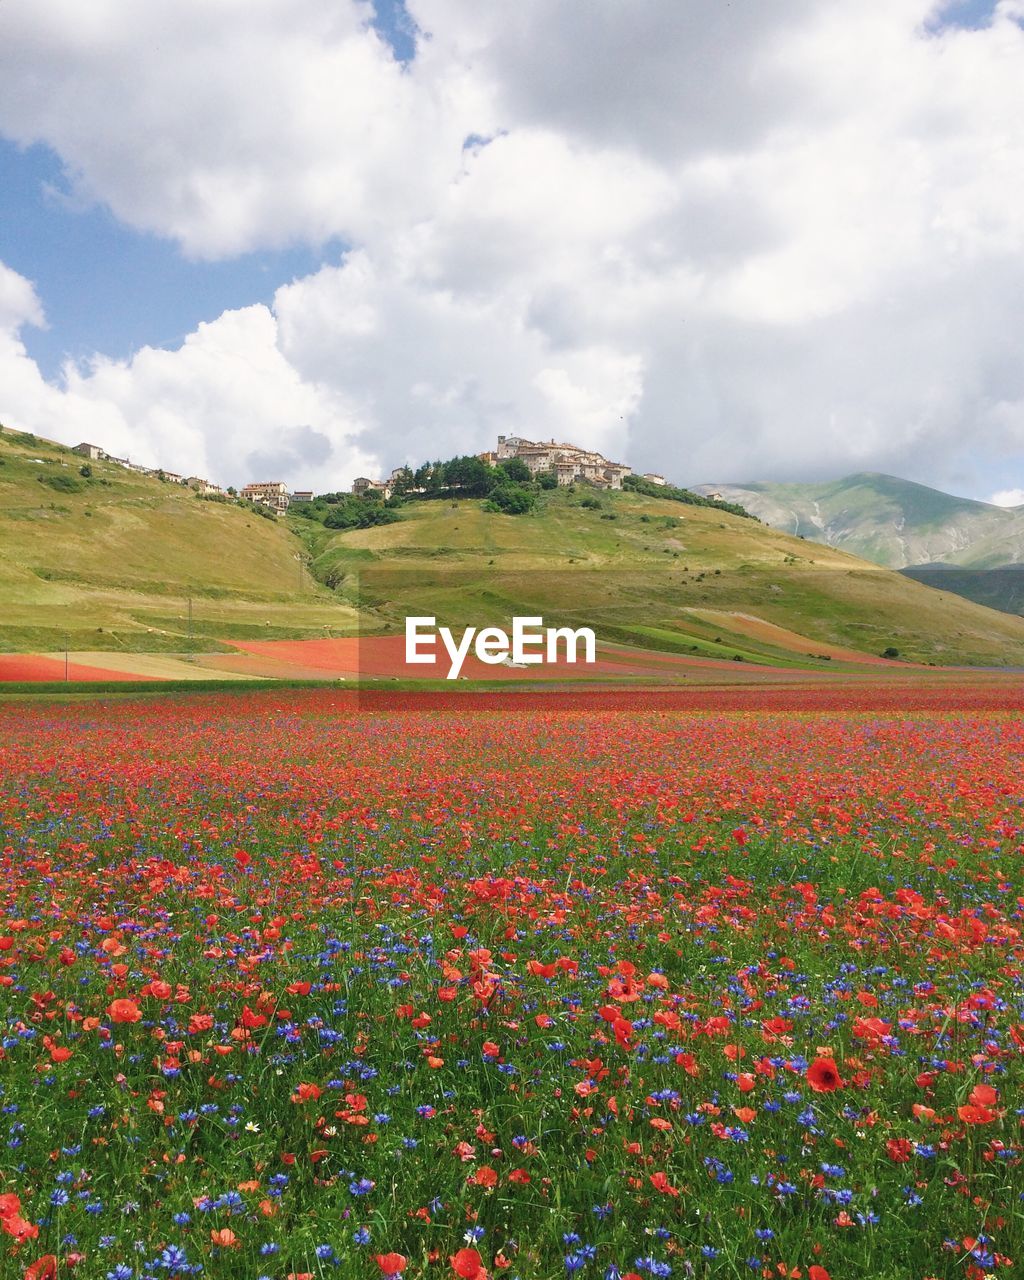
pixel 651 572
pixel 111 560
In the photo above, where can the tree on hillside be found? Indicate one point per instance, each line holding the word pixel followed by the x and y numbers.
pixel 402 481
pixel 470 474
pixel 516 470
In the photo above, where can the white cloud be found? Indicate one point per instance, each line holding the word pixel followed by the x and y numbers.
pixel 229 126
pixel 664 78
pixel 19 304
pixel 766 238
pixel 435 372
pixel 226 404
pixel 1007 498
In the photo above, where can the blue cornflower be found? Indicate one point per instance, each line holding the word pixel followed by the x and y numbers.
pixel 653 1266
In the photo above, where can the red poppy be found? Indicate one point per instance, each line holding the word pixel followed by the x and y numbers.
pixel 44 1268
pixel 823 1076
pixel 10 1205
pixel 19 1228
pixel 468 1264
pixel 975 1115
pixel 392 1264
pixel 123 1010
pixel 660 1182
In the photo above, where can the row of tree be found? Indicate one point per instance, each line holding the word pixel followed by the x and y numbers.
pixel 638 484
pixel 348 511
pixel 509 486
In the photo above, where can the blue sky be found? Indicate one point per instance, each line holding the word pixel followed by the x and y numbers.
pixel 968 13
pixel 110 289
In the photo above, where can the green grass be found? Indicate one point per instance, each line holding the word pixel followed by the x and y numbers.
pixel 101 558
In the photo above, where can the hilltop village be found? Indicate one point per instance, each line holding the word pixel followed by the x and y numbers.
pixel 561 464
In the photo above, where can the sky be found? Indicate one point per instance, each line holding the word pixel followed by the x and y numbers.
pixel 313 239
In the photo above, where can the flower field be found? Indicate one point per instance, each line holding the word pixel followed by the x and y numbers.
pixel 302 984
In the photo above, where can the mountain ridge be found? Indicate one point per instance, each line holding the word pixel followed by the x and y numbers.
pixel 890 521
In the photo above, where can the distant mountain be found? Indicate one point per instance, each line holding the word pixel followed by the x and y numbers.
pixel 892 522
pixel 901 525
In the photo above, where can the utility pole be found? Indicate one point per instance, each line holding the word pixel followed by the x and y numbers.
pixel 67 642
pixel 190 627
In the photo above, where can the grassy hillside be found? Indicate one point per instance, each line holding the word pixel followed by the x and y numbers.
pixel 889 521
pixel 109 561
pixel 653 573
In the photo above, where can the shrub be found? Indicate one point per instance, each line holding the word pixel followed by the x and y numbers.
pixel 61 483
pixel 357 514
pixel 510 500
